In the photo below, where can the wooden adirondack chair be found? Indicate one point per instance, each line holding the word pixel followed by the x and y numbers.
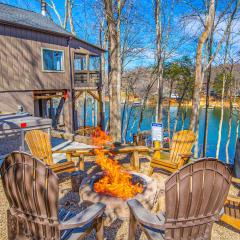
pixel 32 190
pixel 194 197
pixel 40 147
pixel 178 154
pixel 231 214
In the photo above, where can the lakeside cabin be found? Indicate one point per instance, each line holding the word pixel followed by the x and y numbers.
pixel 42 64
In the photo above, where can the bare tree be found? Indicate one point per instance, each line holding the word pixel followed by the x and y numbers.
pixel 162 37
pixel 198 69
pixel 115 68
pixel 230 118
pixel 226 56
pixel 159 58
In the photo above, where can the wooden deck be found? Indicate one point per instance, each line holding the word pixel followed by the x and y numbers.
pixel 84 79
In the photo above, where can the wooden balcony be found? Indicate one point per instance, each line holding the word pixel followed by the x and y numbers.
pixel 87 79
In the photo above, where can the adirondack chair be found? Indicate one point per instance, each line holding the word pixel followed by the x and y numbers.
pixel 41 148
pixel 32 190
pixel 194 197
pixel 231 214
pixel 177 155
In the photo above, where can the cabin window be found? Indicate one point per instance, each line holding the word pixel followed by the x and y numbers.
pixel 52 60
pixel 80 62
pixel 94 63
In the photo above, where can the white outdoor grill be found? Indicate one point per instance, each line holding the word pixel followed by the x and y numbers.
pixel 13 128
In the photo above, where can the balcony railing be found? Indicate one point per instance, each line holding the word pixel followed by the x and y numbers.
pixel 86 79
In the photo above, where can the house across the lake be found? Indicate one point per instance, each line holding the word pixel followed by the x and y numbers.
pixel 44 69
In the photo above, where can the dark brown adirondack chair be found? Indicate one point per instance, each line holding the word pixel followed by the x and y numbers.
pixel 194 197
pixel 31 188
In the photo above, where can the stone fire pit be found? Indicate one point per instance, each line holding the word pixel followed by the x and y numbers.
pixel 116 207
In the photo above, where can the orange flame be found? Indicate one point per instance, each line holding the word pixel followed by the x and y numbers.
pixel 116 182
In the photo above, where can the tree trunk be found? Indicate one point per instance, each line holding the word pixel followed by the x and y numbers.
pixel 223 93
pixel 103 43
pixel 196 147
pixel 128 122
pixel 169 108
pixel 198 69
pixel 119 62
pixel 178 112
pixel 237 130
pixel 159 59
pixel 124 115
pixel 114 79
pixel 184 116
pixel 229 130
pixel 142 112
pixel 66 15
pixel 230 116
pixel 205 137
pixel 71 17
pixel 177 117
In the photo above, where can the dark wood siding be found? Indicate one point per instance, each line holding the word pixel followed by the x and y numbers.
pixel 11 100
pixel 21 61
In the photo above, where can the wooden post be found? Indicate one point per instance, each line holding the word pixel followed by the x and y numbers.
pixel 135 160
pixel 68 113
pixel 69 105
pixel 132 227
pixel 87 65
pixel 85 111
pixel 44 108
pixel 100 116
pixel 58 112
pixel 157 153
pixel 95 112
pixel 102 89
pixel 51 113
pixel 36 108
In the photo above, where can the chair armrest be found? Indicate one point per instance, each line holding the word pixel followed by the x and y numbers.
pixel 63 151
pixel 185 155
pixel 162 148
pixel 83 218
pixel 73 150
pixel 143 216
pixel 235 180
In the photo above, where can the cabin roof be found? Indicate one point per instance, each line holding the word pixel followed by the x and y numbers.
pixel 19 16
pixel 28 19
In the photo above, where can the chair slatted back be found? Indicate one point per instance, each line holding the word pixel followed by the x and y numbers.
pixel 182 143
pixel 195 196
pixel 40 145
pixel 32 191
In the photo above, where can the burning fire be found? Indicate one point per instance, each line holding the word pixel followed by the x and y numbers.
pixel 116 182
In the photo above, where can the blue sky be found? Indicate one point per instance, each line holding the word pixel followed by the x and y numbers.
pixel 183 36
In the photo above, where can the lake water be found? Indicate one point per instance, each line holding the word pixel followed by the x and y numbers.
pixel 214 117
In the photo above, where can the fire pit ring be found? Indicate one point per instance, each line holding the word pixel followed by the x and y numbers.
pixel 117 208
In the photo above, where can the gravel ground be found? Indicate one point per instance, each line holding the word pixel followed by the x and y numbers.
pixel 118 230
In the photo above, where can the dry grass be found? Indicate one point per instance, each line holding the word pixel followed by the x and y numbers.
pixel 118 229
